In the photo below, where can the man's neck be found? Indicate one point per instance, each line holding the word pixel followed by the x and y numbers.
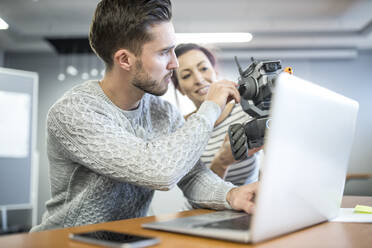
pixel 118 88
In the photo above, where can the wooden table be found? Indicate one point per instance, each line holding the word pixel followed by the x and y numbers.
pixel 329 234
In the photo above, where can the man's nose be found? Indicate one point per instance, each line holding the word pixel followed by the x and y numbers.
pixel 173 63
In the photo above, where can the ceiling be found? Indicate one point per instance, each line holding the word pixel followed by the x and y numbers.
pixel 276 25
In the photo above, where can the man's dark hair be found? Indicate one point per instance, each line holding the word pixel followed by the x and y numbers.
pixel 184 48
pixel 120 24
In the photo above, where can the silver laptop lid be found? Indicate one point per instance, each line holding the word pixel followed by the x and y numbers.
pixel 306 156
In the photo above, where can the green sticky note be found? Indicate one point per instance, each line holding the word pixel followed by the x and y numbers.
pixel 363 209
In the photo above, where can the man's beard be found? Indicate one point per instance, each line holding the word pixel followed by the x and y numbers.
pixel 143 81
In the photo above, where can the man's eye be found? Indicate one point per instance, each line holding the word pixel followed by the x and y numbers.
pixel 164 52
pixel 204 68
pixel 185 76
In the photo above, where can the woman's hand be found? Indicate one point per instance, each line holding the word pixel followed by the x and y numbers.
pixel 223 158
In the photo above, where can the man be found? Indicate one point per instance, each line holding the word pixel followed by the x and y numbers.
pixel 112 143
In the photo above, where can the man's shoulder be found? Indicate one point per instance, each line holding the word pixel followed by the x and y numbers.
pixel 87 89
pixel 84 94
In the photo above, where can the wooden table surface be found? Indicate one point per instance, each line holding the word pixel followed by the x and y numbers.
pixel 328 234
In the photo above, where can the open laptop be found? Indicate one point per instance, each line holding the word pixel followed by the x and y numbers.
pixel 307 149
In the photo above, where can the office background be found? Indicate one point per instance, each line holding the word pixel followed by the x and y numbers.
pixel 325 41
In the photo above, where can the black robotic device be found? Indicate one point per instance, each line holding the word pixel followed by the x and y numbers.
pixel 256 86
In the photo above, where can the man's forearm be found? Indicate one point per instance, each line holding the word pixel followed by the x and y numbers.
pixel 204 189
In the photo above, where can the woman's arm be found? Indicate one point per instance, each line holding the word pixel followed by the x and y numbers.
pixel 223 158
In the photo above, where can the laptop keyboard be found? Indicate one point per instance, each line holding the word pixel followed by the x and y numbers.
pixel 240 223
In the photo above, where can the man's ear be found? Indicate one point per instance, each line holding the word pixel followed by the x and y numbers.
pixel 124 59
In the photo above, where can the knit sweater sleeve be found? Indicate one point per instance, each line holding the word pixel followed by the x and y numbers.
pixel 92 138
pixel 204 189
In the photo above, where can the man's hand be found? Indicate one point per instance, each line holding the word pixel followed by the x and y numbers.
pixel 241 198
pixel 222 92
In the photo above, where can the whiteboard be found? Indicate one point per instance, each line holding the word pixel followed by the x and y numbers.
pixel 14 124
pixel 18 106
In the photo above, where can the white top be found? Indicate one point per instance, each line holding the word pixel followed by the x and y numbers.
pixel 241 172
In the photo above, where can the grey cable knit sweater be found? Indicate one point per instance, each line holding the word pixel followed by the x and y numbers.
pixel 105 163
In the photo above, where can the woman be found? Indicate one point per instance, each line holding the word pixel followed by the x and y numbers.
pixel 193 77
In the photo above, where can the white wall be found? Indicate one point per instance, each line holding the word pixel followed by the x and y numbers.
pixel 351 77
